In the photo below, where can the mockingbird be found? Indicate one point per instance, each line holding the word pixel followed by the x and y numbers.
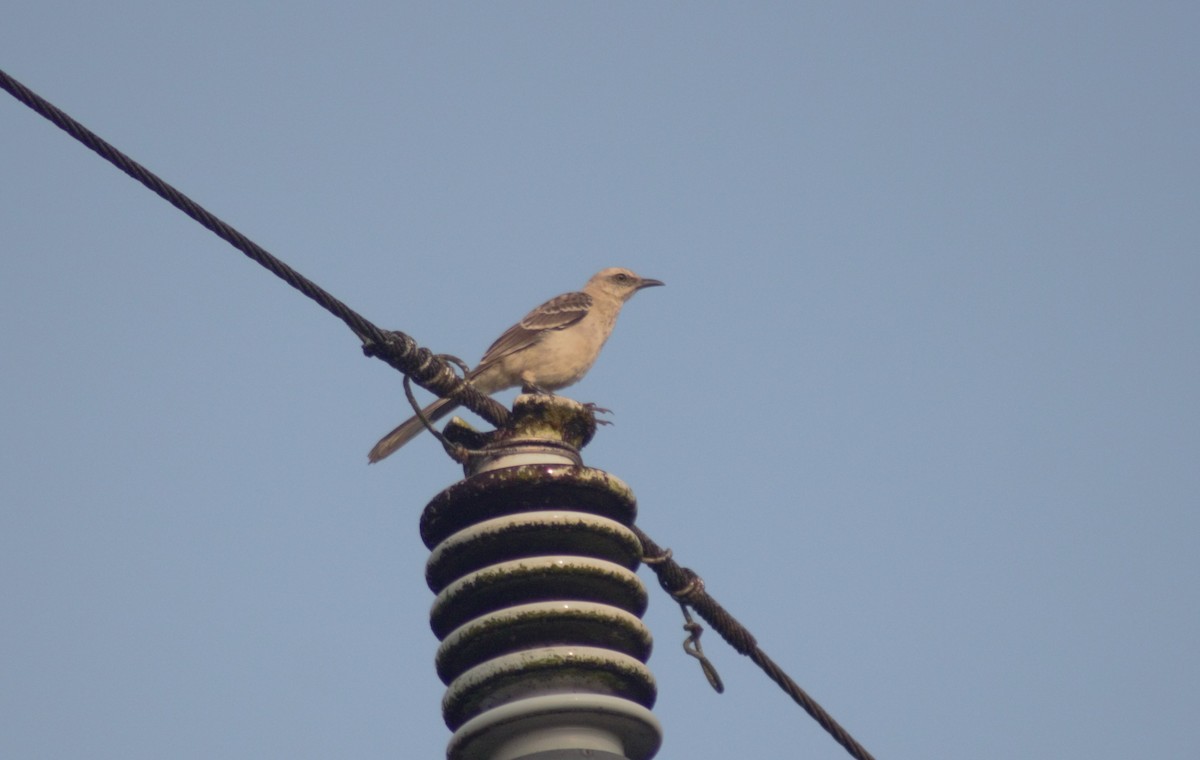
pixel 552 347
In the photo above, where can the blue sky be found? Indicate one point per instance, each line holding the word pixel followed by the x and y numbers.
pixel 918 401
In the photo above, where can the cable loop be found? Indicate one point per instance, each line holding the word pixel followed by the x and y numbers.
pixel 691 645
pixel 456 451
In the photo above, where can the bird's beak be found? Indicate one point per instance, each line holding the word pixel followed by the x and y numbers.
pixel 649 283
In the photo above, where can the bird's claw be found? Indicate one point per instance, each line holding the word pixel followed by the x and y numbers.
pixel 596 409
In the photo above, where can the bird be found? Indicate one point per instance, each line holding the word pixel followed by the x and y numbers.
pixel 552 347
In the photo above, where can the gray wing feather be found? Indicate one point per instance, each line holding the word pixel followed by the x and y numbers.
pixel 557 313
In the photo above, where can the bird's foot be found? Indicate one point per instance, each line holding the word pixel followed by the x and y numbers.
pixel 595 409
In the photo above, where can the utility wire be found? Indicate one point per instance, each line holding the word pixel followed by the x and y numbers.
pixel 393 347
pixel 688 588
pixel 433 373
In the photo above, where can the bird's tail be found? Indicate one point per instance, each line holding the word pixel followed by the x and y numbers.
pixel 409 429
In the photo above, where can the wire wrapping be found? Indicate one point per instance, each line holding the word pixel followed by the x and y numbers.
pixel 431 372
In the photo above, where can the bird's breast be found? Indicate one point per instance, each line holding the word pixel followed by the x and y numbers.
pixel 563 357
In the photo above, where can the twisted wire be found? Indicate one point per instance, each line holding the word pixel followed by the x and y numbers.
pixel 688 588
pixel 395 348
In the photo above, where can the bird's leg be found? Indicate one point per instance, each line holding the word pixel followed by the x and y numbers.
pixel 529 385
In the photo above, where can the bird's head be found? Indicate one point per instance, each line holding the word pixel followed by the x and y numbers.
pixel 619 283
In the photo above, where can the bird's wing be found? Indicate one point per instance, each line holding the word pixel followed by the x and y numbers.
pixel 556 314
